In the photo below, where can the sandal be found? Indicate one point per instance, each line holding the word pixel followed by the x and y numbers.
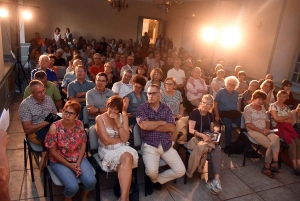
pixel 268 172
pixel 275 167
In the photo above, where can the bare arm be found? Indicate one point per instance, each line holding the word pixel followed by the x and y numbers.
pixel 167 128
pixel 29 128
pixel 196 133
pixel 77 99
pixel 214 86
pixel 102 134
pixel 150 125
pixel 64 90
pixel 279 118
pixel 58 104
pixel 123 129
pixel 125 105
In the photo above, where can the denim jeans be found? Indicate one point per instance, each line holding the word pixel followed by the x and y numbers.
pixel 68 178
pixel 228 128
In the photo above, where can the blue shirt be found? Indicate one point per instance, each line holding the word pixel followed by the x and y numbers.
pixel 69 77
pixel 227 101
pixel 51 75
pixel 76 86
pixel 134 101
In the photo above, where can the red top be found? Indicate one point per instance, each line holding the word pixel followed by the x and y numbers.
pixel 119 66
pixel 95 70
pixel 68 142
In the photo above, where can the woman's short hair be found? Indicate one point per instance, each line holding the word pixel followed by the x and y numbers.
pixel 140 67
pixel 196 68
pixel 156 70
pixel 285 83
pixel 268 81
pixel 254 82
pixel 208 97
pixel 74 105
pixel 139 80
pixel 32 55
pixel 259 94
pixel 232 78
pixel 221 71
pixel 106 64
pixel 242 73
pixel 172 79
pixel 42 57
pixel 57 29
pixel 115 101
pixel 32 83
pixel 282 92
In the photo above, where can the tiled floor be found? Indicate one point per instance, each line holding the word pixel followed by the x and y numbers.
pixel 238 182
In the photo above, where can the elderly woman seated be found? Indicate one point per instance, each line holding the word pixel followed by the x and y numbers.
pixel 195 87
pixel 247 95
pixel 218 82
pixel 113 132
pixel 268 86
pixel 226 109
pixel 200 121
pixel 258 126
pixel 283 120
pixel 156 77
pixel 66 140
pixel 133 99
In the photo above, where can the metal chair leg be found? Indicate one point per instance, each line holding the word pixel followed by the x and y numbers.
pixel 97 186
pixel 30 162
pixel 50 187
pixel 186 164
pixel 244 161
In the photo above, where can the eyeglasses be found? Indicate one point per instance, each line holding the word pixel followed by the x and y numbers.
pixel 152 93
pixel 40 92
pixel 80 71
pixel 69 113
pixel 128 76
pixel 207 103
pixel 169 84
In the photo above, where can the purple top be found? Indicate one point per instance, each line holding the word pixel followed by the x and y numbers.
pixel 154 138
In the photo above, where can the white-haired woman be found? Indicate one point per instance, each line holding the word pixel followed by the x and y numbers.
pixel 218 82
pixel 226 109
pixel 201 120
pixel 195 87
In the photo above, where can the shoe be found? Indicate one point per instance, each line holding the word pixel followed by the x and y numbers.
pixel 228 150
pixel 217 185
pixel 158 186
pixel 268 173
pixel 275 167
pixel 213 189
pixel 253 154
pixel 296 171
pixel 150 186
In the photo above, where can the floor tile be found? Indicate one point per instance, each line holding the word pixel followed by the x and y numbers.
pixel 15 184
pixel 250 197
pixel 286 175
pixel 232 186
pixel 16 160
pixel 16 141
pixel 195 189
pixel 236 160
pixel 278 194
pixel 15 127
pixel 13 113
pixel 253 177
pixel 295 188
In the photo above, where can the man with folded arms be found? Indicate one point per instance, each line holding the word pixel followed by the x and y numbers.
pixel 156 125
pixel 33 110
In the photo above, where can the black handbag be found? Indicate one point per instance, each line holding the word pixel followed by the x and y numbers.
pixel 133 194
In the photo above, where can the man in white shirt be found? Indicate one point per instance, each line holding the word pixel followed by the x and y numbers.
pixel 178 74
pixel 124 86
pixel 129 66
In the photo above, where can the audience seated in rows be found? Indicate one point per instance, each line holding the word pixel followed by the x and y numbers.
pixel 267 86
pixel 129 66
pixel 286 86
pixel 178 74
pixel 120 64
pixel 258 126
pixel 97 97
pixel 156 123
pixel 243 86
pixel 141 71
pixel 77 89
pixel 247 95
pixel 97 67
pixel 134 99
pixel 155 63
pixel 218 82
pixel 34 58
pixel 201 120
pixel 108 70
pixel 195 87
pixel 113 132
pixel 59 61
pixel 66 142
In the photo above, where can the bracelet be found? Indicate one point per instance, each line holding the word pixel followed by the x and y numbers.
pixel 195 132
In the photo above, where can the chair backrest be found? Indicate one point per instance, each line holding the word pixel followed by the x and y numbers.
pixel 270 118
pixel 93 139
pixel 137 142
pixel 61 71
pixel 85 116
pixel 243 123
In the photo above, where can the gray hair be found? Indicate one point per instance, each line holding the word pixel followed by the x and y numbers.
pixel 254 82
pixel 127 71
pixel 232 78
pixel 34 83
pixel 42 57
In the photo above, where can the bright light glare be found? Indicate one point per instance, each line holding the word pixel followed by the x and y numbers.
pixel 3 12
pixel 209 34
pixel 26 15
pixel 230 37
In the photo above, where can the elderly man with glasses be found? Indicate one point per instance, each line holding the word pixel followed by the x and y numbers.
pixel 124 86
pixel 156 123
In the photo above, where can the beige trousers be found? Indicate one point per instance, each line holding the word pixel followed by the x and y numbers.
pixel 271 142
pixel 294 149
pixel 151 157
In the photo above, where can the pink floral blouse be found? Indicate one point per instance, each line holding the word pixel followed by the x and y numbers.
pixel 67 141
